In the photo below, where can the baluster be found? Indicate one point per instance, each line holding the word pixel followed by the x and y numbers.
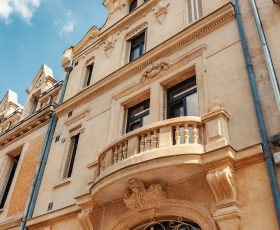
pixel 116 154
pixel 120 153
pixel 148 141
pixel 186 134
pixel 125 150
pixel 177 135
pixel 155 139
pixel 142 143
pixel 102 164
pixel 195 133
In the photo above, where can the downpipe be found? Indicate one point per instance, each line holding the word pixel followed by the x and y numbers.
pixel 268 60
pixel 44 155
pixel 265 143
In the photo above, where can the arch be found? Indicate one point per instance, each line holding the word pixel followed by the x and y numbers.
pixel 171 207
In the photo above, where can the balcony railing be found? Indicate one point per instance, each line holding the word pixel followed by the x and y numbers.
pixel 175 131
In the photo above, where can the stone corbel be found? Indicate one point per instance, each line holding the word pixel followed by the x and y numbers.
pixel 222 184
pixel 216 124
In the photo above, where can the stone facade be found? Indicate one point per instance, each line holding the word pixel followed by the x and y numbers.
pixel 205 169
pixel 22 135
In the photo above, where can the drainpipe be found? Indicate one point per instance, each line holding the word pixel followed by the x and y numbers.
pixel 44 155
pixel 271 71
pixel 265 144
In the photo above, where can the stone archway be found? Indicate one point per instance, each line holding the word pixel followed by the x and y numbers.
pixel 171 207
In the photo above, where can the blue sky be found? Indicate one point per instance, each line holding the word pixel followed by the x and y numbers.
pixel 33 32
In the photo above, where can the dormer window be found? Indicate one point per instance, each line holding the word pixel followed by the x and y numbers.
pixel 133 5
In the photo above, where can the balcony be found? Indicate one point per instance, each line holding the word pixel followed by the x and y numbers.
pixel 169 151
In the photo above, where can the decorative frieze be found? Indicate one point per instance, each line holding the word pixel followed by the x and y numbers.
pixel 138 197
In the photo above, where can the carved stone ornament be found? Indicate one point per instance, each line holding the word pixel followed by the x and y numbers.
pixel 161 11
pixel 153 70
pixel 86 219
pixel 76 131
pixel 136 30
pixel 222 184
pixel 138 197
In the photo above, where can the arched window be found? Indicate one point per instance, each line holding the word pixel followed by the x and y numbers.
pixel 133 5
pixel 169 224
pixel 194 10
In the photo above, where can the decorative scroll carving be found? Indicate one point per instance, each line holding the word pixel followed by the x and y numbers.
pixel 222 184
pixel 76 131
pixel 136 30
pixel 161 11
pixel 153 70
pixel 86 219
pixel 141 198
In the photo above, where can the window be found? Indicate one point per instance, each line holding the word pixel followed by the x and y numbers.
pixel 138 115
pixel 69 163
pixel 88 75
pixel 137 46
pixel 194 9
pixel 133 5
pixel 70 114
pixel 183 99
pixel 10 166
pixel 34 104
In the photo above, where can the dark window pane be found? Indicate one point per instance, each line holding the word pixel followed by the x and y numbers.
pixel 133 5
pixel 89 73
pixel 75 140
pixel 137 46
pixel 138 115
pixel 183 99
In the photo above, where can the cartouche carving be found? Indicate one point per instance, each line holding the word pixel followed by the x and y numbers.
pixel 138 197
pixel 153 70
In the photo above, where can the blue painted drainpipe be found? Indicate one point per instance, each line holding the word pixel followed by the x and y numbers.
pixel 265 143
pixel 44 155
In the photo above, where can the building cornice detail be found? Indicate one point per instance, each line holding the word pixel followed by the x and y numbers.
pixel 181 40
pixel 26 127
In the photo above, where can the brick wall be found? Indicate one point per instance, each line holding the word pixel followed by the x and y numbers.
pixel 25 177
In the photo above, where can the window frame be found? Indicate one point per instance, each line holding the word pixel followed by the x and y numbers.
pixel 130 9
pixel 130 40
pixel 171 102
pixel 88 76
pixel 130 120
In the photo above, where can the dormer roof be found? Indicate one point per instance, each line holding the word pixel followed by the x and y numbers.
pixel 43 80
pixel 9 103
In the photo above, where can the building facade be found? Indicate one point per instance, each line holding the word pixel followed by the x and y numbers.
pixel 22 134
pixel 157 128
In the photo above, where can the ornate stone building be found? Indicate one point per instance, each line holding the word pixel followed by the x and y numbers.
pixel 158 129
pixel 22 133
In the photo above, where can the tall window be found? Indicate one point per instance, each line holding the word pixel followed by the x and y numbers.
pixel 138 115
pixel 70 159
pixel 194 9
pixel 88 75
pixel 183 99
pixel 137 46
pixel 10 166
pixel 133 5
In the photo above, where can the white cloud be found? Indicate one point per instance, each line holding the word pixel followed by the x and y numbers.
pixel 66 25
pixel 25 8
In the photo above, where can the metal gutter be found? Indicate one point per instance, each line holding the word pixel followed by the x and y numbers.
pixel 265 143
pixel 270 68
pixel 28 213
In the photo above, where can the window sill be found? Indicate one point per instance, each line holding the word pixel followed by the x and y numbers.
pixel 62 183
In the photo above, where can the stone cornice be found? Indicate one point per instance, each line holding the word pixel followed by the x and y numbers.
pixel 24 127
pixel 167 48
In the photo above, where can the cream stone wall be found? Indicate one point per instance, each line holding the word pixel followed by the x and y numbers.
pixel 221 182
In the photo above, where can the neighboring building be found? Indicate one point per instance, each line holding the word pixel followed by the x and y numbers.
pixel 157 129
pixel 22 132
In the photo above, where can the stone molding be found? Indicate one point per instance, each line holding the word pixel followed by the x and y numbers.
pixel 170 207
pixel 138 197
pixel 189 35
pixel 136 30
pixel 86 219
pixel 77 117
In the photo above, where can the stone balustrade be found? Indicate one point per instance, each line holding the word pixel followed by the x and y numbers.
pixel 175 131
